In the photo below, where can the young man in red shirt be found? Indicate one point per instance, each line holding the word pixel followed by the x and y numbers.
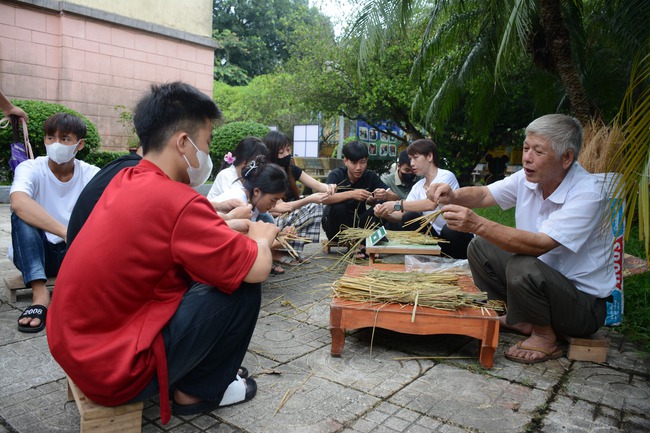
pixel 157 293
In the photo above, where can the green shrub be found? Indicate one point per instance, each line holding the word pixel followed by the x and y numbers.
pixel 226 137
pixel 38 112
pixel 102 158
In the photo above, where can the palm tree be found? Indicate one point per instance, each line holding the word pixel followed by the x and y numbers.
pixel 577 54
pixel 552 41
pixel 632 159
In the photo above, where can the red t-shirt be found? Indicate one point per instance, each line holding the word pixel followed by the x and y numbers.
pixel 125 274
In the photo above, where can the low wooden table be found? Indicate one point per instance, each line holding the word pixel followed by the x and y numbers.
pixel 389 248
pixel 482 324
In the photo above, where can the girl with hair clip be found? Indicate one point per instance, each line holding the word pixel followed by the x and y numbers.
pixel 263 184
pixel 229 176
pixel 230 172
pixel 305 213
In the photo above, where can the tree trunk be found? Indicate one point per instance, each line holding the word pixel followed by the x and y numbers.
pixel 559 44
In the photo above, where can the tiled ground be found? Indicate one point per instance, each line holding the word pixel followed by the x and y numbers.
pixel 383 382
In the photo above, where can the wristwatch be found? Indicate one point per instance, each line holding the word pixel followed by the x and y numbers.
pixel 399 206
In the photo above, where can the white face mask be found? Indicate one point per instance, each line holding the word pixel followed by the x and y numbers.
pixel 198 176
pixel 61 153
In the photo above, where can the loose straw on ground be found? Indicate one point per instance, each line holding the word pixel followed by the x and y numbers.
pixel 290 393
pixel 412 358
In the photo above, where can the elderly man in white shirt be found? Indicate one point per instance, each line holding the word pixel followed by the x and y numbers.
pixel 555 269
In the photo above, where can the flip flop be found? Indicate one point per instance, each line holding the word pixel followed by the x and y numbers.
pixel 547 355
pixel 304 260
pixel 287 260
pixel 361 254
pixel 35 311
pixel 239 391
pixel 276 269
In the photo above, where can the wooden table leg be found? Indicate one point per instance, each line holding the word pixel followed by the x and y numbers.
pixel 338 333
pixel 371 259
pixel 489 343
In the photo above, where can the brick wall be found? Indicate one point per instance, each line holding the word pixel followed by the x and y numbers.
pixel 94 65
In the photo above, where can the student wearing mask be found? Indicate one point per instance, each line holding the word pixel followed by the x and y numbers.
pixel 229 177
pixel 157 295
pixel 402 180
pixel 306 212
pixel 42 196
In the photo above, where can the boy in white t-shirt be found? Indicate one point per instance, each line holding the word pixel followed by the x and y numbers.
pixel 42 196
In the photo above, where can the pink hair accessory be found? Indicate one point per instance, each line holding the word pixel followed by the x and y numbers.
pixel 229 158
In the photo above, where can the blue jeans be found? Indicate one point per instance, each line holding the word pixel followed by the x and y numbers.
pixel 266 217
pixel 206 340
pixel 34 256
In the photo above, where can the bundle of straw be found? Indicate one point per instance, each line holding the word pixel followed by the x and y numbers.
pixel 353 235
pixel 284 238
pixel 425 221
pixel 599 146
pixel 439 290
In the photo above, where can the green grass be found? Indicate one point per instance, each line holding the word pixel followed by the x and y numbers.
pixel 494 213
pixel 636 313
pixel 636 288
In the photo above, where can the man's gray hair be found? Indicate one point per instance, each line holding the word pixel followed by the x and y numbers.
pixel 563 132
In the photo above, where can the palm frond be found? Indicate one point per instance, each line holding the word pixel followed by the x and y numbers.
pixel 518 24
pixel 634 153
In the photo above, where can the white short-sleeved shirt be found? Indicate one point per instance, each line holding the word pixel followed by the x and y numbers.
pixel 573 216
pixel 35 178
pixel 226 179
pixel 419 193
pixel 238 193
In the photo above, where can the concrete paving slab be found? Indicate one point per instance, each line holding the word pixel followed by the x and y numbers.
pixel 624 354
pixel 378 375
pixel 391 418
pixel 383 382
pixel 578 416
pixel 283 340
pixel 41 409
pixel 26 364
pixel 299 401
pixel 621 390
pixel 474 401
